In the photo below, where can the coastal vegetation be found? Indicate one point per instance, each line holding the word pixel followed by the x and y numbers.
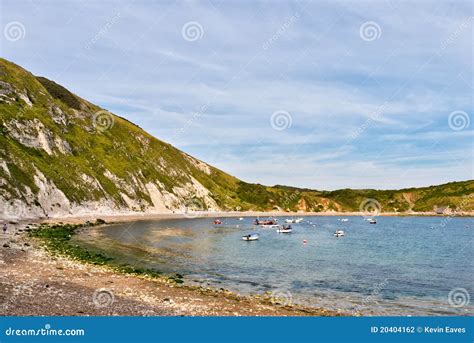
pixel 56 239
pixel 60 154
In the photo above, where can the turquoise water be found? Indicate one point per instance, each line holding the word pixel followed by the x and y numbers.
pixel 401 266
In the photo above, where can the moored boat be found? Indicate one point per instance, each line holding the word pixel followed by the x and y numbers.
pixel 217 222
pixel 339 233
pixel 251 237
pixel 269 226
pixel 372 221
pixel 271 223
pixel 284 229
pixel 294 221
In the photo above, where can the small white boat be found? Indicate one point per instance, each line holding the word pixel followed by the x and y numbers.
pixel 241 218
pixel 284 229
pixel 339 233
pixel 294 221
pixel 372 221
pixel 344 220
pixel 269 226
pixel 251 237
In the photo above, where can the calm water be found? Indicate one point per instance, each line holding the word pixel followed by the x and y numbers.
pixel 401 266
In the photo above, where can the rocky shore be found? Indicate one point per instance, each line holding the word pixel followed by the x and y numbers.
pixel 35 282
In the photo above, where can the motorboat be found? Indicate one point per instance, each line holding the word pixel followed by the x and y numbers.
pixel 217 222
pixel 294 221
pixel 372 221
pixel 251 237
pixel 284 229
pixel 271 223
pixel 269 226
pixel 344 220
pixel 339 233
pixel 241 218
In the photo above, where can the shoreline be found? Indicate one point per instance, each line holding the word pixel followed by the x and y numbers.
pixel 36 278
pixel 129 217
pixel 40 281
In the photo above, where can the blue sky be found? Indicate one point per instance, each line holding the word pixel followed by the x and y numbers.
pixel 325 94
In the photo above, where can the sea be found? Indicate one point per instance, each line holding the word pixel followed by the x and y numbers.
pixel 406 266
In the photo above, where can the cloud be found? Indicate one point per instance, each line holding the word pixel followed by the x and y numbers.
pixel 357 107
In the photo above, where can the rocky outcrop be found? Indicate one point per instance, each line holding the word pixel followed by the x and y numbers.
pixel 34 134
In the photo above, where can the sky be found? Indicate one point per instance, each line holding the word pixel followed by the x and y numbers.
pixel 322 94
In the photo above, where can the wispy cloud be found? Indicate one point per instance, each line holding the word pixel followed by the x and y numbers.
pixel 362 110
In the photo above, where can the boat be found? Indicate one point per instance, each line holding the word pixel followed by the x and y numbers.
pixel 285 229
pixel 265 222
pixel 271 223
pixel 372 221
pixel 217 222
pixel 269 226
pixel 241 218
pixel 251 237
pixel 339 233
pixel 294 221
pixel 344 220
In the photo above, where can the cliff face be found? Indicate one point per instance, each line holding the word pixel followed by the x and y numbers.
pixel 61 155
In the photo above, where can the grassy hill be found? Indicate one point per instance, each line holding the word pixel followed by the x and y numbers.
pixel 61 155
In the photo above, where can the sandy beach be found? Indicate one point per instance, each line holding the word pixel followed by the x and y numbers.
pixel 33 282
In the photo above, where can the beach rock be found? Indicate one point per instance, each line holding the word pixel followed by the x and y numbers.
pixel 169 301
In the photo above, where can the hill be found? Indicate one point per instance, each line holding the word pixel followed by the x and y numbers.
pixel 61 155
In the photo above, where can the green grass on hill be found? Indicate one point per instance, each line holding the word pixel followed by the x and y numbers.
pixel 137 158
